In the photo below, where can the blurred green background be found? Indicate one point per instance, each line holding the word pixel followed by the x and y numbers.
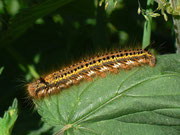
pixel 76 30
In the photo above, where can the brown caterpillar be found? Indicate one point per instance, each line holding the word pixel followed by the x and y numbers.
pixel 87 69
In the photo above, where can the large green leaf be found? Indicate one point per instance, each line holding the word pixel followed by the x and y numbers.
pixel 143 100
pixel 26 18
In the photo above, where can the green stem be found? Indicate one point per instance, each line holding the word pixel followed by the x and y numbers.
pixel 176 20
pixel 32 70
pixel 147 26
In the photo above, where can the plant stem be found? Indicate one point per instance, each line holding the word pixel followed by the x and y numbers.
pixel 176 20
pixel 147 26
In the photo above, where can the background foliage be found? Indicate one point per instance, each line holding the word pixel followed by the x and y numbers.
pixel 39 36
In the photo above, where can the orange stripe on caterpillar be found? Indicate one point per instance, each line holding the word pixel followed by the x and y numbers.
pixel 87 69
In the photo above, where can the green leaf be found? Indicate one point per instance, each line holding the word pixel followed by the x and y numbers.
pixel 144 100
pixel 9 118
pixel 1 70
pixel 26 18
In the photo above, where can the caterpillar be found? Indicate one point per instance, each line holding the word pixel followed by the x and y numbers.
pixel 87 69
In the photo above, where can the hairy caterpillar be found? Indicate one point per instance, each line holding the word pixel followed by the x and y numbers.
pixel 87 69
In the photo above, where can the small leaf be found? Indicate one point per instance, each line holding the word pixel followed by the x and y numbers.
pixel 9 118
pixel 37 58
pixel 1 70
pixel 146 17
pixel 155 15
pixel 139 11
pixel 165 17
pixel 143 100
pixel 32 71
pixel 106 5
pixel 101 2
pixel 115 3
